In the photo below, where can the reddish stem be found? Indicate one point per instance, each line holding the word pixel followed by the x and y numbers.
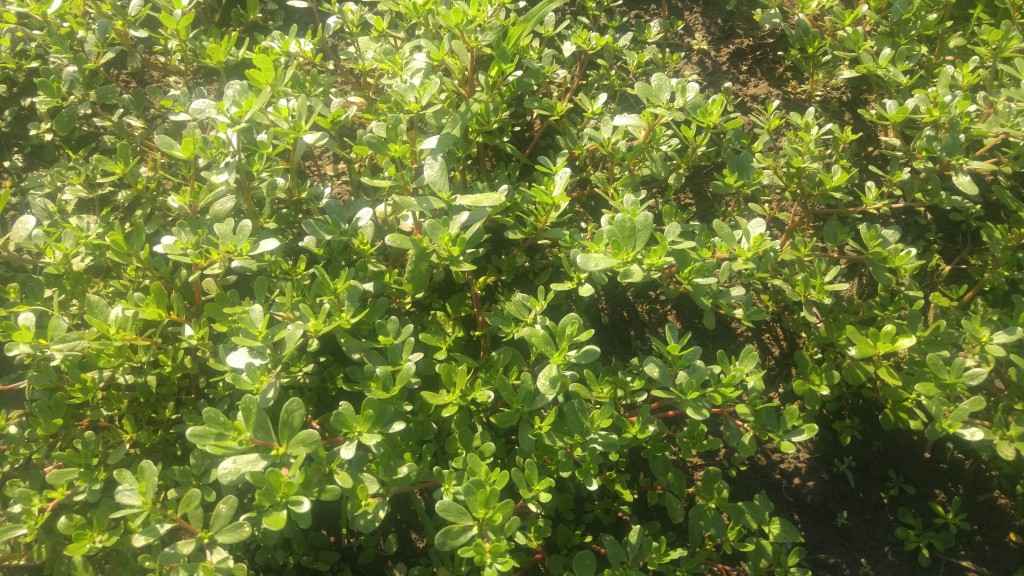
pixel 722 569
pixel 52 467
pixel 795 220
pixel 332 441
pixel 85 423
pixel 478 311
pixel 416 487
pixel 652 406
pixel 185 525
pixel 653 489
pixel 530 563
pixel 577 80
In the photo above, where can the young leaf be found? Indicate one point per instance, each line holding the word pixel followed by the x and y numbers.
pixel 529 21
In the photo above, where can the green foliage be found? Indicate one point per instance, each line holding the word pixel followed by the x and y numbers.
pixel 278 275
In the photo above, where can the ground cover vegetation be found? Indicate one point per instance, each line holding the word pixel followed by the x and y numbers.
pixel 458 287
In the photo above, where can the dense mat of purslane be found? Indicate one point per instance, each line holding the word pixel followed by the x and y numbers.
pixel 281 300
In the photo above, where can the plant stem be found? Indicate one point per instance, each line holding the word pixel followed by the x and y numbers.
pixel 577 80
pixel 478 311
pixel 416 487
pixel 14 386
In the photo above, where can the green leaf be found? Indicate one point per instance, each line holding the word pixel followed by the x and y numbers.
pixel 802 433
pixel 12 531
pixel 62 476
pixel 1006 336
pixel 1006 450
pixel 629 120
pixel 234 533
pixel 22 227
pixel 781 531
pixel 584 563
pixel 453 512
pixel 587 354
pixel 936 365
pixel 965 183
pixel 451 537
pixel 971 433
pixel 435 174
pixel 223 513
pixel 221 208
pixel 975 376
pixel 168 145
pixel 299 504
pixel 725 233
pixel 177 552
pixel 529 21
pixel 481 200
pixel 595 262
pixel 190 501
pixel 275 519
pixel 206 437
pixel 632 273
pixel 540 341
pixel 305 442
pixel 234 467
pixel 967 407
pixel 66 121
pixel 202 108
pixel 550 381
pixel 149 534
pixel 400 241
pixel 265 245
pixel 293 415
pixel 885 372
pixel 241 357
pixel 903 342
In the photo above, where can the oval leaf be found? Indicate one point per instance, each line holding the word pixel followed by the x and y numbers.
pixel 234 533
pixel 595 262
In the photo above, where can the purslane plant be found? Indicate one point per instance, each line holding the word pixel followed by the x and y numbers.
pixel 336 279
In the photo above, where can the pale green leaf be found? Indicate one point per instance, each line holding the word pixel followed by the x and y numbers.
pixel 595 262
pixel 22 227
